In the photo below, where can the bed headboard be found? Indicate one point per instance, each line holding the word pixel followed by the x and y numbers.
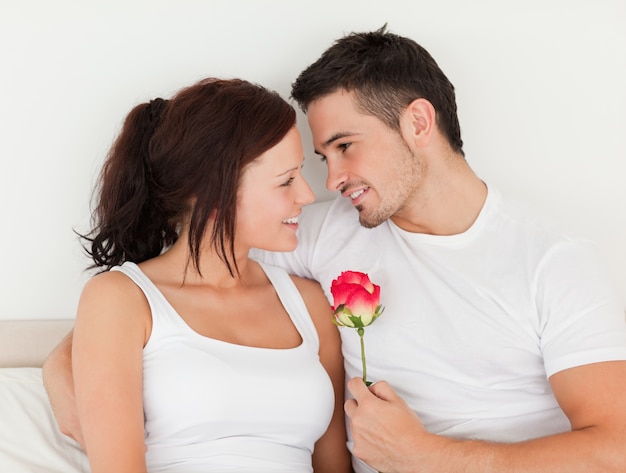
pixel 28 342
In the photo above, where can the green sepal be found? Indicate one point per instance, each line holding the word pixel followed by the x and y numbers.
pixel 358 323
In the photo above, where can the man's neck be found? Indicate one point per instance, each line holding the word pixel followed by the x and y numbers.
pixel 447 204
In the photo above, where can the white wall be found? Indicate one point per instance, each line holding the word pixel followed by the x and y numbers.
pixel 540 88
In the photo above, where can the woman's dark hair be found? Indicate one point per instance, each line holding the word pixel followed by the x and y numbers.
pixel 386 72
pixel 176 161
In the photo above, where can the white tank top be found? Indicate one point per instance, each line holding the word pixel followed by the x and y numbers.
pixel 215 406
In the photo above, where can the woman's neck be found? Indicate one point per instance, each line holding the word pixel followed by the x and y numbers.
pixel 176 264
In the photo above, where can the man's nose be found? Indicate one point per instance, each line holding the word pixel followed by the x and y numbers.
pixel 337 176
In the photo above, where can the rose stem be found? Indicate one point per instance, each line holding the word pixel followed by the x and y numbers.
pixel 361 332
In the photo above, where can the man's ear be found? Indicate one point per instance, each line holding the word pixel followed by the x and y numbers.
pixel 418 122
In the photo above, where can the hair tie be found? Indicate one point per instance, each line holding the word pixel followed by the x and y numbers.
pixel 156 108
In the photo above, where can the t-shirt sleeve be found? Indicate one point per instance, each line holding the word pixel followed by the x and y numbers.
pixel 582 320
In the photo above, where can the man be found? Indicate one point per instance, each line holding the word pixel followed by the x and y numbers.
pixel 502 347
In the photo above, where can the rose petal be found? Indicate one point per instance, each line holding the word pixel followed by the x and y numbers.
pixel 354 294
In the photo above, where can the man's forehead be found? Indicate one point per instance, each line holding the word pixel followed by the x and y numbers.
pixel 331 115
pixel 338 97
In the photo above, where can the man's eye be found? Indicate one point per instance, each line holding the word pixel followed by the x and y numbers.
pixel 344 146
pixel 323 159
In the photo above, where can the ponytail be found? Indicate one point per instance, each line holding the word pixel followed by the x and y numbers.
pixel 176 166
pixel 127 224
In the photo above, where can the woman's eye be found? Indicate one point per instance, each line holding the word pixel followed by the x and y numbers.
pixel 288 182
pixel 344 146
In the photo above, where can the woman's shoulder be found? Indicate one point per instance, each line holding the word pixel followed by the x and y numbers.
pixel 111 297
pixel 109 280
pixel 307 287
pixel 114 287
pixel 315 300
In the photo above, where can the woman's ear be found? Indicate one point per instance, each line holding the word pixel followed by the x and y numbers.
pixel 418 122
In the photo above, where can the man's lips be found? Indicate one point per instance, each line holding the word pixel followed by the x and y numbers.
pixel 355 195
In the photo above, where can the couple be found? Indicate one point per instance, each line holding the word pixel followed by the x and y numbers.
pixel 502 347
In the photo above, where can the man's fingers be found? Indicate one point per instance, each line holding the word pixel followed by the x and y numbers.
pixel 358 389
pixel 383 390
pixel 349 407
pixel 380 389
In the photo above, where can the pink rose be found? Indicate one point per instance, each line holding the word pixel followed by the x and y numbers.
pixel 356 304
pixel 356 300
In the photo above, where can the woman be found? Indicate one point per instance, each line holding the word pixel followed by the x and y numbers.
pixel 188 356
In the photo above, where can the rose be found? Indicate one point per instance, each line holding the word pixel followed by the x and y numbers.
pixel 356 300
pixel 356 304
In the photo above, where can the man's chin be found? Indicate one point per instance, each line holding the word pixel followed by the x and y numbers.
pixel 369 221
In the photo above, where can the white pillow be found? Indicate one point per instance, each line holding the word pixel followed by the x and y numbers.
pixel 30 441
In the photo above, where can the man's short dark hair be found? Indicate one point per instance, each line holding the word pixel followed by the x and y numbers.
pixel 386 72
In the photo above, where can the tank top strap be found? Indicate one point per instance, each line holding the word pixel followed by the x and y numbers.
pixel 293 303
pixel 164 317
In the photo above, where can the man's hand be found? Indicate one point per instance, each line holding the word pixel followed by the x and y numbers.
pixel 57 377
pixel 387 434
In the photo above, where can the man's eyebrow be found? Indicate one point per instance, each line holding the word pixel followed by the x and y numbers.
pixel 333 138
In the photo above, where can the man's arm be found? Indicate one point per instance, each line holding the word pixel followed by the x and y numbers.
pixel 57 378
pixel 390 437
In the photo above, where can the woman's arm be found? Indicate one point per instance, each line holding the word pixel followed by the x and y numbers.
pixel 331 454
pixel 112 326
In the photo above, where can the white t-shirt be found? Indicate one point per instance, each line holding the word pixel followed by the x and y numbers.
pixel 215 406
pixel 474 323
